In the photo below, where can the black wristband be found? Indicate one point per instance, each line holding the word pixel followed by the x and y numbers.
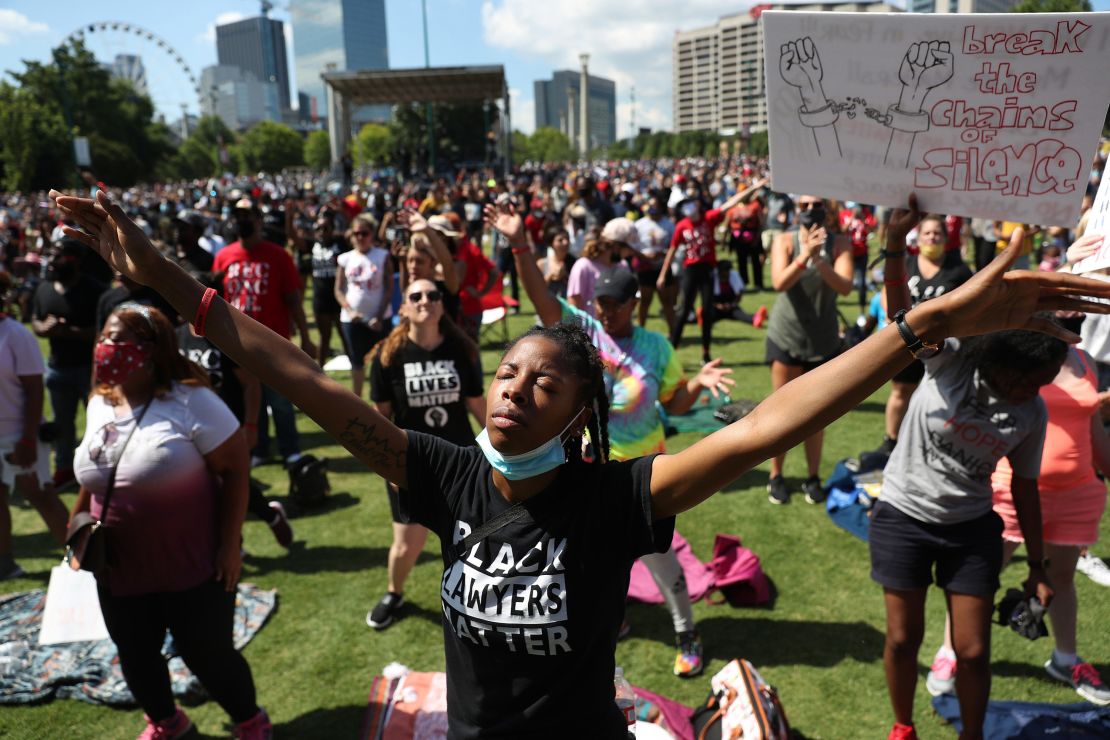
pixel 917 346
pixel 885 254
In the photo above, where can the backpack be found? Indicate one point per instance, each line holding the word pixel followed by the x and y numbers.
pixel 738 576
pixel 741 705
pixel 308 481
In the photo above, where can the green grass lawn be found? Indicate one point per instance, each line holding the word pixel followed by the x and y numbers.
pixel 820 644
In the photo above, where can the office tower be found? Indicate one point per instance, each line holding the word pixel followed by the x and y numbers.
pixel 350 34
pixel 558 100
pixel 236 96
pixel 718 76
pixel 257 45
pixel 130 67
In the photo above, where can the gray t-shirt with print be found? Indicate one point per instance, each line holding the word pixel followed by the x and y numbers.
pixel 955 432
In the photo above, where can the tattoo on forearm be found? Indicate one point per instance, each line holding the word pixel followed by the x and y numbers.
pixel 360 438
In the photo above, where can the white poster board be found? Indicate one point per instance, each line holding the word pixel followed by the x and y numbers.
pixel 993 116
pixel 1098 223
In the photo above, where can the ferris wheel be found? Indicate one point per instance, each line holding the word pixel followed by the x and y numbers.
pixel 148 61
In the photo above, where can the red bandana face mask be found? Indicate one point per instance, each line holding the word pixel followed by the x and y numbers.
pixel 115 361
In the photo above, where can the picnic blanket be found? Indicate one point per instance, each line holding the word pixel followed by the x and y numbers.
pixel 1019 720
pixel 89 671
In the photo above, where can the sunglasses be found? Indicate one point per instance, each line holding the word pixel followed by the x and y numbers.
pixel 108 435
pixel 361 234
pixel 810 205
pixel 434 296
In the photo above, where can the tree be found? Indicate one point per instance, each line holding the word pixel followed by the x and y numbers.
pixel 73 95
pixel 548 144
pixel 1053 6
pixel 317 150
pixel 270 147
pixel 373 145
pixel 461 131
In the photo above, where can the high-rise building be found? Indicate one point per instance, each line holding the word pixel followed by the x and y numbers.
pixel 718 77
pixel 961 6
pixel 236 96
pixel 257 45
pixel 557 106
pixel 130 67
pixel 350 34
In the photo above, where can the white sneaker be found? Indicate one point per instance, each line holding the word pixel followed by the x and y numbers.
pixel 1094 568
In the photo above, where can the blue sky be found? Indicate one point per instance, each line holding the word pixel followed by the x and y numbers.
pixel 629 42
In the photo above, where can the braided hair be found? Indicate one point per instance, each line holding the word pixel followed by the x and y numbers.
pixel 582 358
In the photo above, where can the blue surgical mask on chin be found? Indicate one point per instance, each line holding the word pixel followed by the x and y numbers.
pixel 547 456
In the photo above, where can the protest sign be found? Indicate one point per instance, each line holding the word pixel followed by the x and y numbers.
pixel 994 116
pixel 1098 223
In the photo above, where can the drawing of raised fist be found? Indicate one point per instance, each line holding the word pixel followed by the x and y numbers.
pixel 800 66
pixel 927 64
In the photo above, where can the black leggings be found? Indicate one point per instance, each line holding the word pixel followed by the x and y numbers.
pixel 258 504
pixel 200 619
pixel 695 279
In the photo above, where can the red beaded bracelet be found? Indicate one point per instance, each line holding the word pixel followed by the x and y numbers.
pixel 520 250
pixel 201 318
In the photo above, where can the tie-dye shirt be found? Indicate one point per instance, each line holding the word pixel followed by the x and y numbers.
pixel 639 370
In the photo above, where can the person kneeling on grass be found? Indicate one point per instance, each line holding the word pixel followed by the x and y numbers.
pixel 537 543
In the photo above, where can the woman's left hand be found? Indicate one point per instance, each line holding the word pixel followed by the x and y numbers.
pixel 715 378
pixel 229 564
pixel 996 300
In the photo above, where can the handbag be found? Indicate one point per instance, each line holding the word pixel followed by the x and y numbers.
pixel 86 538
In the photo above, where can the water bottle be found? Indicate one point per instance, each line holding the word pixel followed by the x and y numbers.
pixel 626 700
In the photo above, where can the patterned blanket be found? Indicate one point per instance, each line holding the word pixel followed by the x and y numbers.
pixel 89 671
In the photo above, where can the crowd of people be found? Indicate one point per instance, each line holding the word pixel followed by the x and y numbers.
pixel 211 279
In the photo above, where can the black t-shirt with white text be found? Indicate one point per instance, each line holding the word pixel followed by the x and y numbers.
pixel 531 613
pixel 952 274
pixel 220 368
pixel 428 389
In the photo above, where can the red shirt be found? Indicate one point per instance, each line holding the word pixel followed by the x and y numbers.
pixel 858 231
pixel 954 225
pixel 535 226
pixel 701 246
pixel 257 280
pixel 478 267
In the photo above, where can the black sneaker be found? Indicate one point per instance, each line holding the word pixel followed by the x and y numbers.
pixel 382 615
pixel 776 488
pixel 815 494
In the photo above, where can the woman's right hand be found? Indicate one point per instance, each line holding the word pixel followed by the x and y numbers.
pixel 1084 247
pixel 902 222
pixel 813 241
pixel 111 234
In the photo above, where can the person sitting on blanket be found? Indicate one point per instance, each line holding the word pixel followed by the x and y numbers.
pixel 557 530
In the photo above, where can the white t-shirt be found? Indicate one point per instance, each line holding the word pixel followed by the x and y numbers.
pixel 1095 330
pixel 163 511
pixel 19 355
pixel 365 275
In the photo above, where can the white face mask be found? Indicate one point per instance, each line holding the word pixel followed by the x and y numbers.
pixel 689 210
pixel 547 456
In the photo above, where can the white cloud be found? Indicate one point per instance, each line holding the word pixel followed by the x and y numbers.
pixel 631 46
pixel 209 35
pixel 523 111
pixel 14 24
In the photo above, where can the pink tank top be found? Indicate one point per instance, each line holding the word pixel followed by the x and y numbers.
pixel 1067 460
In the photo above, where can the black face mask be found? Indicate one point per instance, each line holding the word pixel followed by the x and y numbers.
pixel 244 228
pixel 812 217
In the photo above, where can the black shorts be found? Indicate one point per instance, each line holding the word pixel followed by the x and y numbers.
pixel 648 277
pixel 904 550
pixel 912 373
pixel 323 297
pixel 775 353
pixel 360 340
pixel 395 504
